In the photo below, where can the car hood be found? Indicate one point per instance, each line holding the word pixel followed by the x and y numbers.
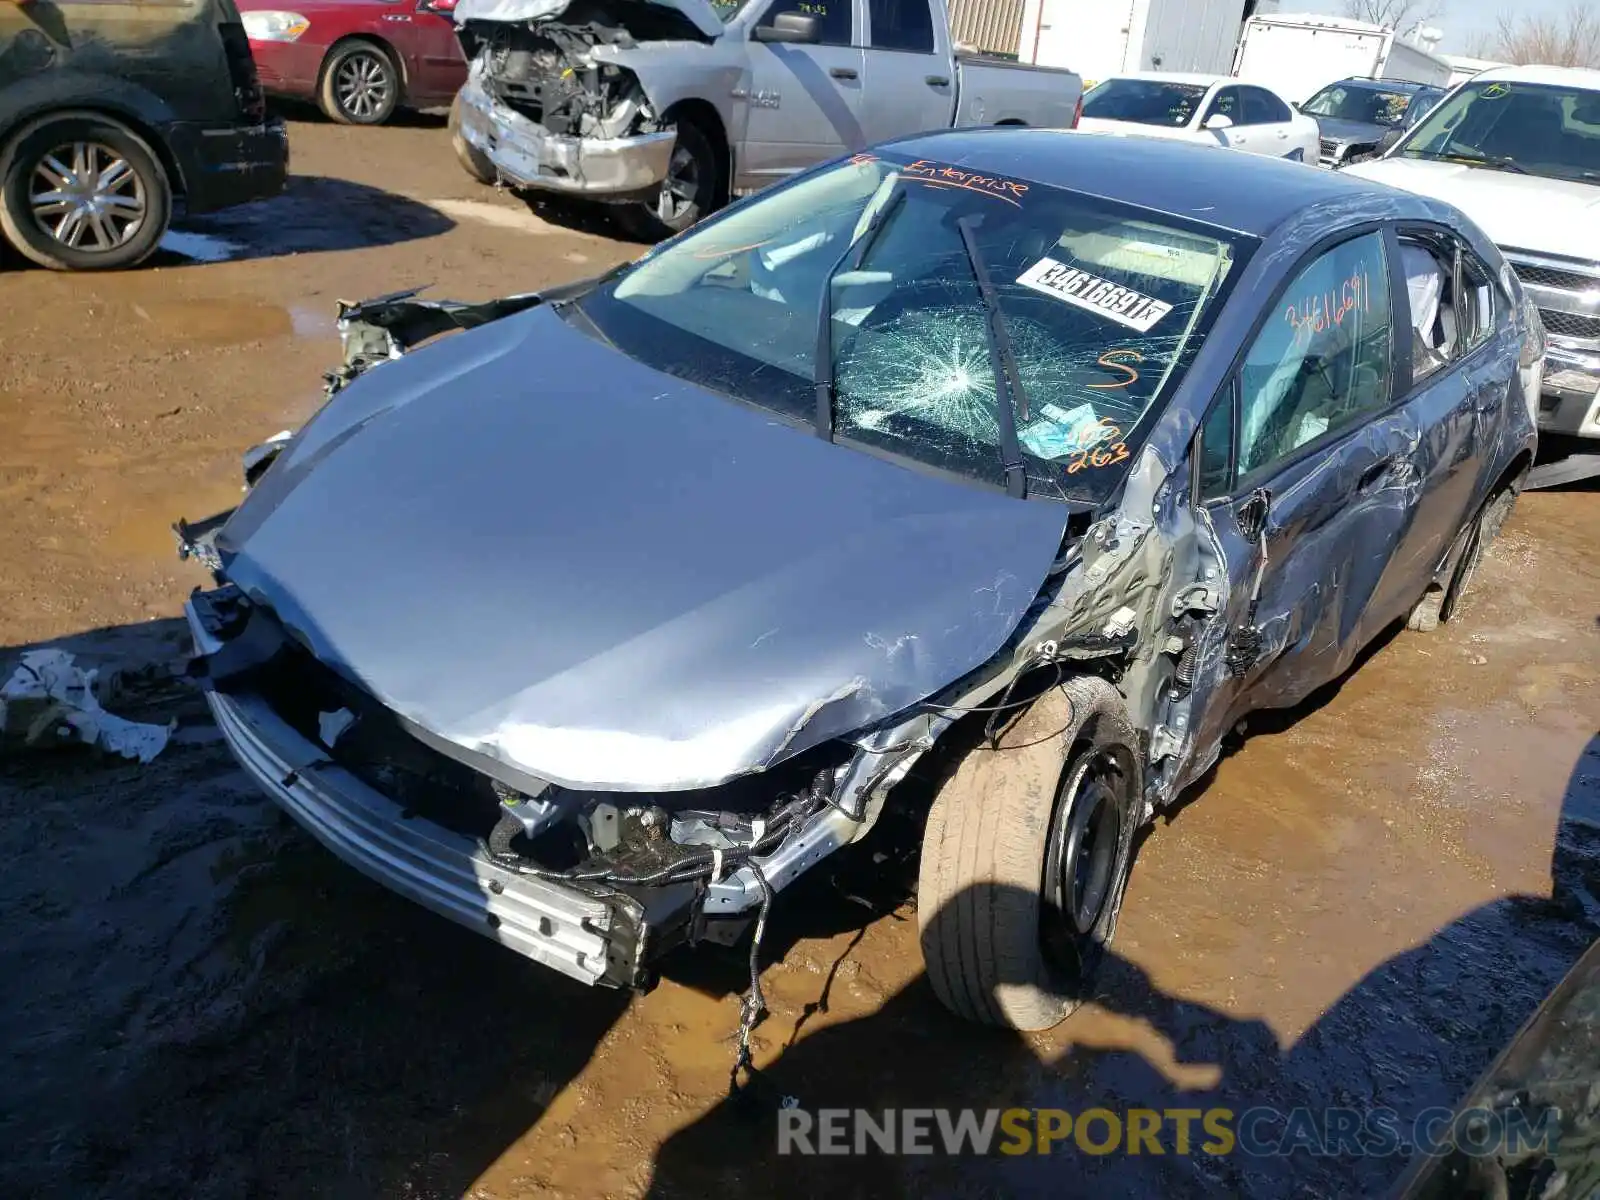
pixel 1335 130
pixel 542 551
pixel 699 12
pixel 1528 212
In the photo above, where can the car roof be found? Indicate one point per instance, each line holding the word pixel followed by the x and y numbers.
pixel 1582 77
pixel 1385 85
pixel 1245 193
pixel 1194 77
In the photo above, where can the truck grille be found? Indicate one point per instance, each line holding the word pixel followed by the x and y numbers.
pixel 1566 294
pixel 1570 325
pixel 1330 153
pixel 1567 281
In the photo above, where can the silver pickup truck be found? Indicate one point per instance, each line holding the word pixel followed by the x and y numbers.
pixel 668 108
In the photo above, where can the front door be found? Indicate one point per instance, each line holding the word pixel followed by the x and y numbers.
pixel 911 83
pixel 804 100
pixel 1305 484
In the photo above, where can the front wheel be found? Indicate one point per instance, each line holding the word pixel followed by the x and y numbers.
pixel 473 161
pixel 1025 860
pixel 360 85
pixel 81 192
pixel 688 193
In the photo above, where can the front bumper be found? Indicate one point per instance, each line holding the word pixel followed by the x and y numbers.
pixel 231 164
pixel 526 155
pixel 591 939
pixel 1570 400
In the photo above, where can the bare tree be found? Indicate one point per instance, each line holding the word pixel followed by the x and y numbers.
pixel 1569 39
pixel 1403 16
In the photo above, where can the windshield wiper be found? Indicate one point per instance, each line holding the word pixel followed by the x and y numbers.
pixel 855 254
pixel 1500 162
pixel 1009 397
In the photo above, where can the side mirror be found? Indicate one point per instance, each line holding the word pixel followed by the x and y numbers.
pixel 790 27
pixel 1389 140
pixel 1219 121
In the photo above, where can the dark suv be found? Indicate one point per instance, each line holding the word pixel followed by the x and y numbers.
pixel 112 112
pixel 1355 115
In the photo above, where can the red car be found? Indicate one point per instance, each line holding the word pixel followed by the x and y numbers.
pixel 358 59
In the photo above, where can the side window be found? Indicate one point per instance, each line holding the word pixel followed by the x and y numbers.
pixel 901 25
pixel 835 17
pixel 1226 104
pixel 1215 463
pixel 1452 300
pixel 1476 302
pixel 1261 107
pixel 1322 361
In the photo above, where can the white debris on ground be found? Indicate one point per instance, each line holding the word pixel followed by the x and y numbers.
pixel 49 698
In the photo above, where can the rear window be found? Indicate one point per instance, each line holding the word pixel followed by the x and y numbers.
pixel 1103 305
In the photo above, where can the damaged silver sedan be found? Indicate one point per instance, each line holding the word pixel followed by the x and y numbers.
pixel 1041 458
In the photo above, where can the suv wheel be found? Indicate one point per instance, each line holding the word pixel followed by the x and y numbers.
pixel 1026 857
pixel 360 85
pixel 81 192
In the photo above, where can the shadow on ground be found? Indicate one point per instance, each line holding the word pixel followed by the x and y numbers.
pixel 1413 1034
pixel 315 215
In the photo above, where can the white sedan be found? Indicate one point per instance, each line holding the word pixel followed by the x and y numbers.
pixel 1216 110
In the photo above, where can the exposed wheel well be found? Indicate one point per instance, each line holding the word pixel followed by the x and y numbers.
pixel 1515 473
pixel 1011 121
pixel 151 138
pixel 704 116
pixel 377 43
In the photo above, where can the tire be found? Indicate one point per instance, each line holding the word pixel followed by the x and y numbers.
pixel 1441 604
pixel 360 84
pixel 688 194
pixel 1491 519
pixel 473 161
pixel 998 945
pixel 134 205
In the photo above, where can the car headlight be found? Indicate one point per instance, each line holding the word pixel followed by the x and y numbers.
pixel 275 26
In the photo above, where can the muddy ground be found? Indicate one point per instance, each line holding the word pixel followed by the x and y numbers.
pixel 199 1000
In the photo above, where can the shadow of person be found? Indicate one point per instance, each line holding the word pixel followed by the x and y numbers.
pixel 1410 1036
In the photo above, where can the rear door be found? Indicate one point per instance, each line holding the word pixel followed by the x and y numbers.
pixel 910 78
pixel 805 100
pixel 1302 469
pixel 438 66
pixel 1454 389
pixel 1271 122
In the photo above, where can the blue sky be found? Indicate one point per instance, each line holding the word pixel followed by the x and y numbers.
pixel 1462 19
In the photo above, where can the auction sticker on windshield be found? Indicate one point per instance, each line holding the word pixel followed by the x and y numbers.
pixel 1110 300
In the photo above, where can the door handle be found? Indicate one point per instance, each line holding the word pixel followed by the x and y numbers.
pixel 842 72
pixel 1374 475
pixel 1283 135
pixel 936 80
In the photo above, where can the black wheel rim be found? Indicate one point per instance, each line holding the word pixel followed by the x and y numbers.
pixel 1084 858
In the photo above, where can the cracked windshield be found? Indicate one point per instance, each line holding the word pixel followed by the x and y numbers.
pixel 1097 312
pixel 1524 128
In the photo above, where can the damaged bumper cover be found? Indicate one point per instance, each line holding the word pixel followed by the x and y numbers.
pixel 590 938
pixel 529 156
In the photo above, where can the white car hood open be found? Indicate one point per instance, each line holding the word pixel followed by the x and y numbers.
pixel 701 13
pixel 1529 212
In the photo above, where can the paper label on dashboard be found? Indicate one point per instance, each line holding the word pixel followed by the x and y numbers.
pixel 1110 300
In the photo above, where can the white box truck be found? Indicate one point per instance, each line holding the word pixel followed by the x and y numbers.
pixel 1101 38
pixel 1297 55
